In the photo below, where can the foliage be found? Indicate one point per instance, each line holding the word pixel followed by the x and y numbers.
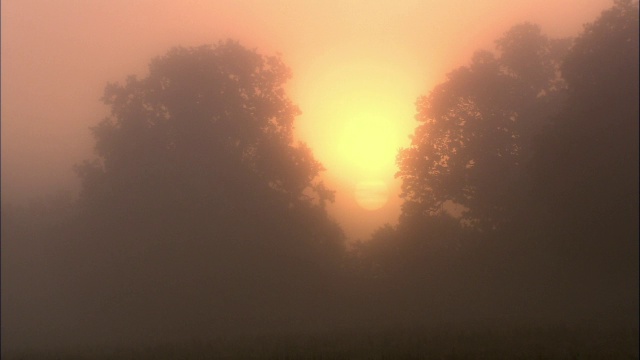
pixel 476 128
pixel 586 166
pixel 537 158
pixel 208 124
pixel 205 143
pixel 199 199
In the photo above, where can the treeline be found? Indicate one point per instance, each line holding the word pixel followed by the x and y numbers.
pixel 520 186
pixel 201 216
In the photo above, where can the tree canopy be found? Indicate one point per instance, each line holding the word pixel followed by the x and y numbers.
pixel 210 124
pixel 198 177
pixel 476 128
pixel 521 181
pixel 586 164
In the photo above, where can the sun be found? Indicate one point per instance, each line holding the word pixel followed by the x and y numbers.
pixel 358 112
pixel 366 145
pixel 368 142
pixel 371 195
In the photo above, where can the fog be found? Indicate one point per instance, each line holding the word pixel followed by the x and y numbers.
pixel 222 179
pixel 58 56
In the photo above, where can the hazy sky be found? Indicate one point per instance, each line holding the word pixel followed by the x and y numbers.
pixel 358 67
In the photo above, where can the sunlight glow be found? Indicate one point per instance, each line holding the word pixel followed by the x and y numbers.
pixel 372 195
pixel 356 115
pixel 368 142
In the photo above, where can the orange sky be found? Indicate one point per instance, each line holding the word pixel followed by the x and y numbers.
pixel 358 67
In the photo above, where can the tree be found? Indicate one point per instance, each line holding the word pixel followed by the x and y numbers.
pixel 585 167
pixel 207 123
pixel 204 144
pixel 584 175
pixel 197 177
pixel 476 128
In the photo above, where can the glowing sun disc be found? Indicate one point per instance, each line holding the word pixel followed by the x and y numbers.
pixel 372 195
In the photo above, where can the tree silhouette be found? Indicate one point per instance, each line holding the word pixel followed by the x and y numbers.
pixel 199 193
pixel 585 175
pixel 476 129
pixel 540 144
pixel 586 164
pixel 207 124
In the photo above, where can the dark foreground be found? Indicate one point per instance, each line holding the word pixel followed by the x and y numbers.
pixel 557 342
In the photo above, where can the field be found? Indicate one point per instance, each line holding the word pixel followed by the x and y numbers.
pixel 442 343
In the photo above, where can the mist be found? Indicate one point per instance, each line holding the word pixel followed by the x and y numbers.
pixel 265 193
